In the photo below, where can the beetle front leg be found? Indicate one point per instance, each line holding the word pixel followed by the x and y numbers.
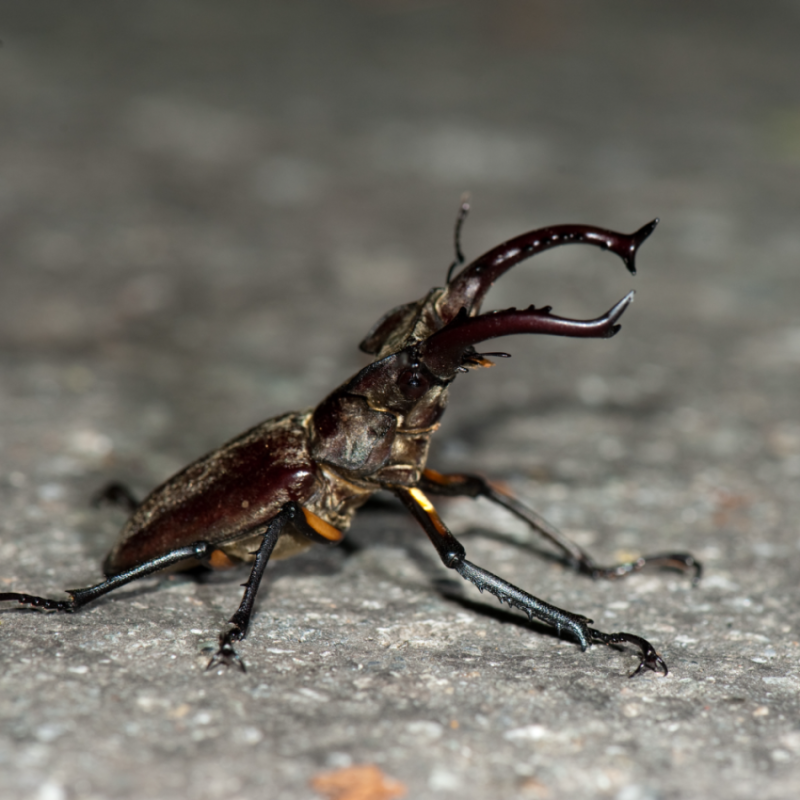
pixel 304 522
pixel 452 554
pixel 474 486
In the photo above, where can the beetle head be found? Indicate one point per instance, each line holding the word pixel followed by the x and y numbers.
pixel 420 347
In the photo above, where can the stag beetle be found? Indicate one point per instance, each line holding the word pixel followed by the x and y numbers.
pixel 300 477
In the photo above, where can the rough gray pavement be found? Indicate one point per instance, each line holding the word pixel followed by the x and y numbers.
pixel 203 208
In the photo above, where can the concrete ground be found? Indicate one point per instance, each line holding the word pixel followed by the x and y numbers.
pixel 205 206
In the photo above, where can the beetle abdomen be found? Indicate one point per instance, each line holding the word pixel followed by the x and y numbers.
pixel 224 495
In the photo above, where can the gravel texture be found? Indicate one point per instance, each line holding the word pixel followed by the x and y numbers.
pixel 204 207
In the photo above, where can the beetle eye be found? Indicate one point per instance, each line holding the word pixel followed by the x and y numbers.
pixel 413 384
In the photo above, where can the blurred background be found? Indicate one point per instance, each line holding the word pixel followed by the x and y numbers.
pixel 203 209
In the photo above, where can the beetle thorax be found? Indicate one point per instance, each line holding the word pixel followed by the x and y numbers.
pixel 376 428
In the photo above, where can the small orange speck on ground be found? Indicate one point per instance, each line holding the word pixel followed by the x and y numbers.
pixel 359 782
pixel 530 787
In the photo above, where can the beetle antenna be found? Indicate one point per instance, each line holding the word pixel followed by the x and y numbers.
pixel 462 215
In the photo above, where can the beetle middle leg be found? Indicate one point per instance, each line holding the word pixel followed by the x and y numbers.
pixel 458 485
pixel 453 556
pixel 303 522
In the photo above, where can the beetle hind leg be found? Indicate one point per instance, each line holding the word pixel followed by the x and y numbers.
pixel 458 485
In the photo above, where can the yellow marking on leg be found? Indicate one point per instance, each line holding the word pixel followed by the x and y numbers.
pixel 428 508
pixel 323 528
pixel 220 560
pixel 443 480
pixel 423 501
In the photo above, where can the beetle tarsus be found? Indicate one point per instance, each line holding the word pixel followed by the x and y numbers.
pixel 650 659
pixel 227 656
pixel 682 562
pixel 43 603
